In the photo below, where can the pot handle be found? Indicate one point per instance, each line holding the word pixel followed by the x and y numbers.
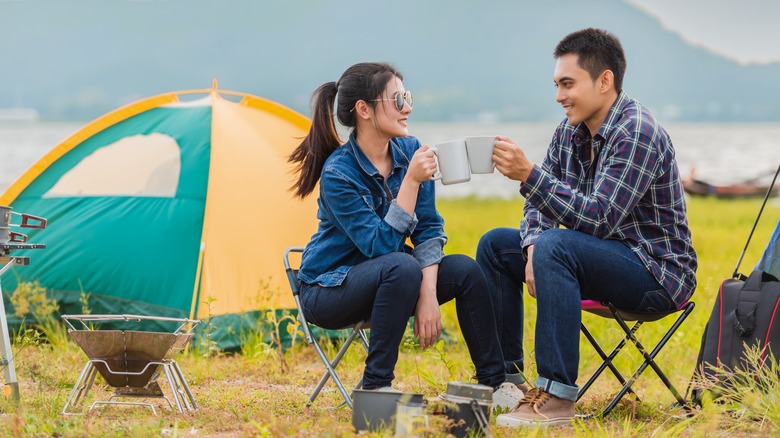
pixel 26 218
pixel 17 237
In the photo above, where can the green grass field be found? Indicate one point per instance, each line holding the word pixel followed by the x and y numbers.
pixel 263 392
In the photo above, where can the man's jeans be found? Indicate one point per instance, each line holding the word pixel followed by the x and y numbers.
pixel 568 266
pixel 384 290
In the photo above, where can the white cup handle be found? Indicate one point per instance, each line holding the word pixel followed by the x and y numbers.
pixel 436 176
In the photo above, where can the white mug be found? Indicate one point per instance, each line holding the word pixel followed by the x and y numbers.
pixel 480 151
pixel 453 162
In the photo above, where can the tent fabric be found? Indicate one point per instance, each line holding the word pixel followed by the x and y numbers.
pixel 770 261
pixel 164 204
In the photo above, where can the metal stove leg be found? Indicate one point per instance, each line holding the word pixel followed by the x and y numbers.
pixel 85 379
pixel 186 387
pixel 172 385
pixel 179 389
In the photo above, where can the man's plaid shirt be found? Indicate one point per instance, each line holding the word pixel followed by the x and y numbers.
pixel 631 193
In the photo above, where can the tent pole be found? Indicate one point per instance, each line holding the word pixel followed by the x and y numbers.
pixel 196 290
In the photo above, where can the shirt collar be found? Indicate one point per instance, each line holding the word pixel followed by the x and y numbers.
pixel 613 115
pixel 581 132
pixel 399 159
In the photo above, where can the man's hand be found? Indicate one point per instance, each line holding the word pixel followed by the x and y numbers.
pixel 529 273
pixel 511 160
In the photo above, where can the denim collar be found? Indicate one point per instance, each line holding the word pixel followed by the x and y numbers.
pixel 400 160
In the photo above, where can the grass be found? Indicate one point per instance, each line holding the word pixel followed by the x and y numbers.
pixel 261 394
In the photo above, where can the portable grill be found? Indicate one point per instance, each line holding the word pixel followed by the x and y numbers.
pixel 130 361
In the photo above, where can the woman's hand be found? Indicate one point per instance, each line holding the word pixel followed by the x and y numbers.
pixel 427 316
pixel 423 165
pixel 427 319
pixel 530 282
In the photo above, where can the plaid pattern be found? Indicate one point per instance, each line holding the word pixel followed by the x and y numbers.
pixel 632 192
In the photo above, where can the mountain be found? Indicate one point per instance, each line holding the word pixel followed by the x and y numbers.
pixel 463 60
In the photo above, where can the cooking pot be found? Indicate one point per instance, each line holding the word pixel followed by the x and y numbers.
pixel 374 410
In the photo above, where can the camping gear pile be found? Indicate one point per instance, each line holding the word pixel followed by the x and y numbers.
pixel 167 203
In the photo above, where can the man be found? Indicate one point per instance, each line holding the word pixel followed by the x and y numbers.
pixel 611 180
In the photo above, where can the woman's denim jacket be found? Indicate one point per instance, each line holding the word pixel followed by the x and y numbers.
pixel 358 221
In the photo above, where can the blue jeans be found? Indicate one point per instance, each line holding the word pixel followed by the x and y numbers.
pixel 568 266
pixel 384 290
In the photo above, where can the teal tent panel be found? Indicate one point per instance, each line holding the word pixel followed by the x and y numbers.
pixel 139 248
pixel 144 249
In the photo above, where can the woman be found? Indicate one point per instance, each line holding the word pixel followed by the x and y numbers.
pixel 375 192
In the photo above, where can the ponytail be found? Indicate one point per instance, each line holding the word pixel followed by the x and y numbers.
pixel 320 142
pixel 365 81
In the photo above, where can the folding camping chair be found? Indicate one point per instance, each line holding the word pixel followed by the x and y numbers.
pixel 606 309
pixel 357 331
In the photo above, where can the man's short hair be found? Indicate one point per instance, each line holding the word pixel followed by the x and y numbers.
pixel 597 50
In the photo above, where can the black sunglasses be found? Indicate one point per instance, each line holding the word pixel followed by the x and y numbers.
pixel 399 100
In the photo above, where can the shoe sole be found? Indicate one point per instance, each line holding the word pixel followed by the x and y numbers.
pixel 503 420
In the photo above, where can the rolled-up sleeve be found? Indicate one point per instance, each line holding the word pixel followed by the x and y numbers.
pixel 399 219
pixel 429 252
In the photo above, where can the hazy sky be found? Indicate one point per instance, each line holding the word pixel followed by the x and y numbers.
pixel 744 30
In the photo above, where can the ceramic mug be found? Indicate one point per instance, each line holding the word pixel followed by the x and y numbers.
pixel 480 152
pixel 453 162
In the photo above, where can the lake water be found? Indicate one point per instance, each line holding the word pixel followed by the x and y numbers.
pixel 722 153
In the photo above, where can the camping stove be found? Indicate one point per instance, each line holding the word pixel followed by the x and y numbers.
pixel 130 360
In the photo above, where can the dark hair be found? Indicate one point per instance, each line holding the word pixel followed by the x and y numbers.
pixel 598 50
pixel 364 81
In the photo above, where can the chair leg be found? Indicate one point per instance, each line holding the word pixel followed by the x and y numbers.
pixel 649 358
pixel 606 360
pixel 331 371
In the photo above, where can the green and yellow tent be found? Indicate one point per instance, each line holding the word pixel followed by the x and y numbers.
pixel 166 204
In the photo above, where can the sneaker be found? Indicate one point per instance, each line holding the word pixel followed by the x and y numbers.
pixel 506 396
pixel 538 408
pixel 387 389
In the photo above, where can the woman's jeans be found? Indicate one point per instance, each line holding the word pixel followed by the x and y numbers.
pixel 568 266
pixel 384 290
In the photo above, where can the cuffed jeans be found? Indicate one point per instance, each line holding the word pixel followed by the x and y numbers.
pixel 568 266
pixel 384 290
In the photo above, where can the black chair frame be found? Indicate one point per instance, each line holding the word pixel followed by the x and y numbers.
pixel 606 309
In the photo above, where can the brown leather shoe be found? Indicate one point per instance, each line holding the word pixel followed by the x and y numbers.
pixel 523 387
pixel 538 408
